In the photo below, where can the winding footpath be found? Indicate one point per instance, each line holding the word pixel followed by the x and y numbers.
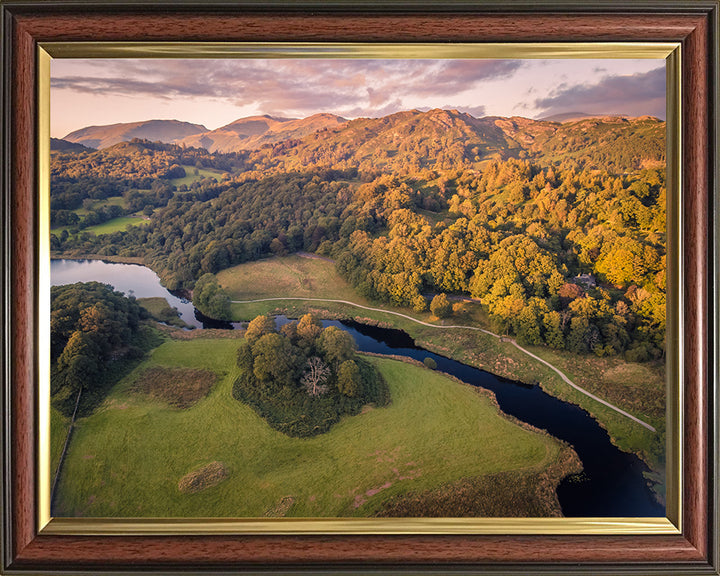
pixel 513 342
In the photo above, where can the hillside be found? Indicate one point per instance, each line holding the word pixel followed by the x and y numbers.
pixel 154 130
pixel 408 142
pixel 557 229
pixel 60 145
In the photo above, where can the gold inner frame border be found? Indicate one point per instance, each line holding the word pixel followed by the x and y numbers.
pixel 671 524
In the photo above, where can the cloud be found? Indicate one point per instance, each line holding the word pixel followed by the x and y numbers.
pixel 634 95
pixel 290 87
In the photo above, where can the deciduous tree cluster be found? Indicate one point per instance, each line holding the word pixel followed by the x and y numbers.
pixel 302 378
pixel 91 327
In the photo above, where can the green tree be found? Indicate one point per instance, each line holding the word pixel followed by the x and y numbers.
pixel 440 306
pixel 276 360
pixel 245 356
pixel 337 345
pixel 80 362
pixel 430 363
pixel 91 327
pixel 210 298
pixel 259 327
pixel 349 381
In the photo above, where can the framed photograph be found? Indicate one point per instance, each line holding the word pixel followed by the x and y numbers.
pixel 320 287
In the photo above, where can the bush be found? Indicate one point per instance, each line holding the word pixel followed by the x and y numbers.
pixel 430 363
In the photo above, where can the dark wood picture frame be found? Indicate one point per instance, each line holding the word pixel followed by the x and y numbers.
pixel 694 24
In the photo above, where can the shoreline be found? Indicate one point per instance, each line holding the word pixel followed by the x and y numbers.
pixel 112 259
pixel 567 462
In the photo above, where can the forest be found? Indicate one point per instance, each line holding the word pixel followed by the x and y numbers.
pixel 557 229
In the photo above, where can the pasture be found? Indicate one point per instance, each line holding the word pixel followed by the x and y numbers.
pixel 294 276
pixel 137 454
pixel 191 177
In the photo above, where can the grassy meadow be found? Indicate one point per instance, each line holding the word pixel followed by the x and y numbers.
pixel 161 311
pixel 110 201
pixel 636 388
pixel 137 455
pixel 295 276
pixel 191 177
pixel 115 225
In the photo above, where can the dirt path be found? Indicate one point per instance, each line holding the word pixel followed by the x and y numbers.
pixel 561 374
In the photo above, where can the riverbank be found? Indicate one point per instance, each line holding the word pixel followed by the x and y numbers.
pixel 478 497
pixel 160 310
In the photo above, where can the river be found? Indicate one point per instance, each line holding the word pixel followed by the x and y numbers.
pixel 612 482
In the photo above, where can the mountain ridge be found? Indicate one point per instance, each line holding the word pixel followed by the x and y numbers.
pixel 248 133
pixel 411 140
pixel 99 137
pixel 254 132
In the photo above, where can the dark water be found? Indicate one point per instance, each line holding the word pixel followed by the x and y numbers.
pixel 612 482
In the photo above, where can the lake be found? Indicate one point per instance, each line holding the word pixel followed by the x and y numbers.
pixel 612 483
pixel 131 279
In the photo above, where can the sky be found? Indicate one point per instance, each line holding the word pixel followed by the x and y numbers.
pixel 92 92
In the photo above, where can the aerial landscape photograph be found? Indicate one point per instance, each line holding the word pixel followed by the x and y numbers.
pixel 350 287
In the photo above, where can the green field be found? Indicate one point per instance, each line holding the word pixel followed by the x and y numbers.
pixel 115 225
pixel 161 311
pixel 294 276
pixel 191 177
pixel 129 456
pixel 111 201
pixel 639 389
